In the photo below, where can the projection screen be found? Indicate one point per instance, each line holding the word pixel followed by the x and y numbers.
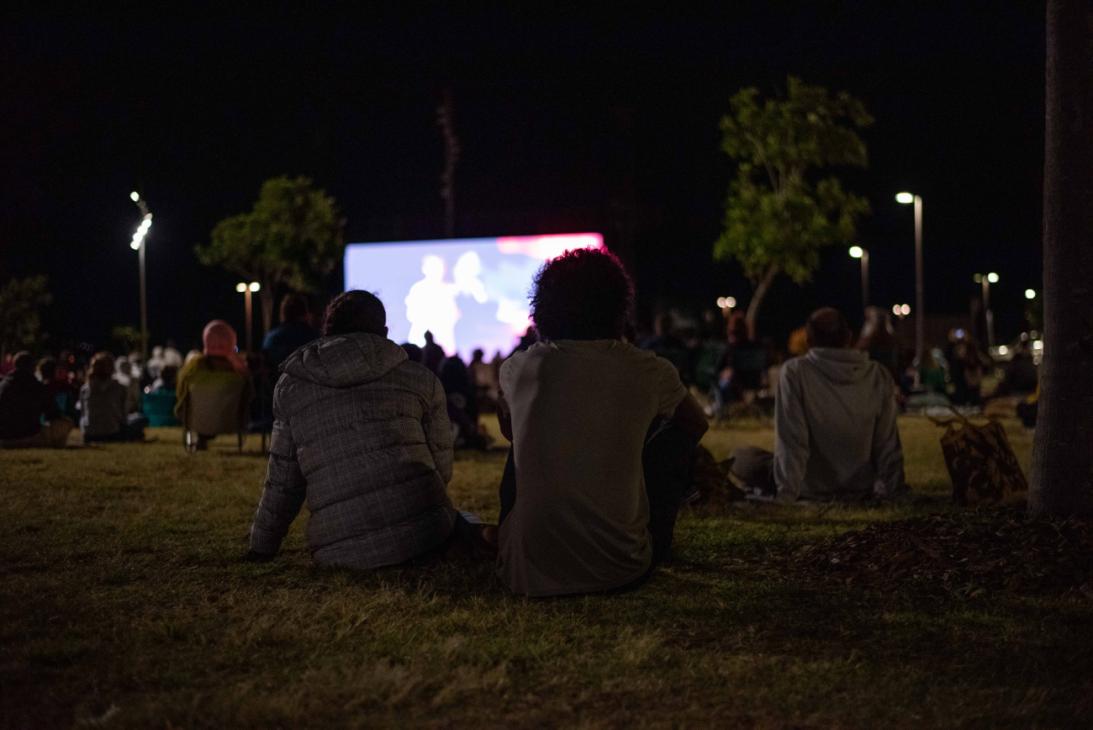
pixel 469 292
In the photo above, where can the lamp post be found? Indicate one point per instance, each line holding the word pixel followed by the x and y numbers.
pixel 862 254
pixel 138 245
pixel 247 290
pixel 985 280
pixel 920 292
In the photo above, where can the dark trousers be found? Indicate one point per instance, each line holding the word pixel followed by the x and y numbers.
pixel 668 462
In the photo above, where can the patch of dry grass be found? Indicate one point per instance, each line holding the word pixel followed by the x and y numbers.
pixel 124 603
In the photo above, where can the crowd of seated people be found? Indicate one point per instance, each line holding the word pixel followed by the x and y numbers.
pixel 602 434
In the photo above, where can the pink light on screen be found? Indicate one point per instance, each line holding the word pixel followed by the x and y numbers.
pixel 548 247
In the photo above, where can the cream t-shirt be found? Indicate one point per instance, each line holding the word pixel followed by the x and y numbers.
pixel 580 411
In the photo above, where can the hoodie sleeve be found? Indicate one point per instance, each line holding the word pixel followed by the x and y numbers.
pixel 283 494
pixel 791 448
pixel 887 451
pixel 438 432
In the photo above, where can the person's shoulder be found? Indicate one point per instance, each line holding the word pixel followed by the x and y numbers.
pixel 792 367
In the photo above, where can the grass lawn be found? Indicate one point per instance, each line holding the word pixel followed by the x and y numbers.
pixel 124 603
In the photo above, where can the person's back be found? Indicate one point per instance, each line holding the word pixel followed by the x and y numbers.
pixel 294 332
pixel 584 409
pixel 835 420
pixel 360 433
pixel 835 424
pixel 578 513
pixel 102 408
pixel 24 403
pixel 23 400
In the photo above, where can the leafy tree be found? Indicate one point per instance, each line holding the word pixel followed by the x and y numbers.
pixel 780 212
pixel 21 305
pixel 1062 462
pixel 291 239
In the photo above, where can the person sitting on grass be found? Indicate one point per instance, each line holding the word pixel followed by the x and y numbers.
pixel 25 404
pixel 835 424
pixel 362 435
pixel 103 412
pixel 603 437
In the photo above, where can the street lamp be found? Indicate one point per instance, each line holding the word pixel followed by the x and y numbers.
pixel 138 245
pixel 986 280
pixel 247 290
pixel 1030 294
pixel 857 252
pixel 905 198
pixel 726 302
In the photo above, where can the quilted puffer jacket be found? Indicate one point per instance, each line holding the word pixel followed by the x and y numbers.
pixel 362 434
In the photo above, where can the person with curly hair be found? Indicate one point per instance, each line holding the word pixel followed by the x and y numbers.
pixel 603 435
pixel 362 435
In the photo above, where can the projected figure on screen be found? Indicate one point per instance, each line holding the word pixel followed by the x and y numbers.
pixel 467 270
pixel 476 321
pixel 430 305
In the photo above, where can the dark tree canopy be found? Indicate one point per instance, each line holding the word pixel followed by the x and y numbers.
pixel 291 239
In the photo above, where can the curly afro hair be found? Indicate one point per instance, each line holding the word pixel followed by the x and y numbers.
pixel 583 294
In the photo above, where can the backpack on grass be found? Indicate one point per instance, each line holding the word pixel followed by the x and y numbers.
pixel 981 462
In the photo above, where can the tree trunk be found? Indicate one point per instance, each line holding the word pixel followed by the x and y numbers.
pixel 445 119
pixel 757 297
pixel 1062 463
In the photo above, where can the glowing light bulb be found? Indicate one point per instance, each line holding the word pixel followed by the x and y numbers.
pixel 856 252
pixel 241 287
pixel 905 198
pixel 255 286
pixel 1030 294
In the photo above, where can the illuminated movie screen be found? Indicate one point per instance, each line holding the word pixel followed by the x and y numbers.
pixel 469 292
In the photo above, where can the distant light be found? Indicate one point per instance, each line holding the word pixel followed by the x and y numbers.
pixel 992 278
pixel 721 303
pixel 241 287
pixel 895 309
pixel 730 302
pixel 1003 350
pixel 1038 345
pixel 134 196
pixel 856 252
pixel 905 309
pixel 1030 294
pixel 905 198
pixel 134 244
pixel 255 286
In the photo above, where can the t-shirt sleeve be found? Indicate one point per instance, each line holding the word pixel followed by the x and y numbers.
pixel 669 389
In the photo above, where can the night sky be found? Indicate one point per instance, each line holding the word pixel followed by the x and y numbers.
pixel 568 121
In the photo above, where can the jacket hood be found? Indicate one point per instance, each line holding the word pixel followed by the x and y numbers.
pixel 343 361
pixel 840 364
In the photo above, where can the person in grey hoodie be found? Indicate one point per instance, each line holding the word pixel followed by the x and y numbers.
pixel 362 435
pixel 835 424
